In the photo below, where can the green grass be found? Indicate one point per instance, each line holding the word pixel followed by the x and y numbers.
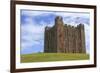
pixel 45 57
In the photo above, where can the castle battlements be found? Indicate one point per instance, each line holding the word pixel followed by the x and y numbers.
pixel 64 38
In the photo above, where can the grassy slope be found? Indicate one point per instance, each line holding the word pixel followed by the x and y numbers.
pixel 44 57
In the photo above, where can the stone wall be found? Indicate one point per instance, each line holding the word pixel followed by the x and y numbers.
pixel 64 38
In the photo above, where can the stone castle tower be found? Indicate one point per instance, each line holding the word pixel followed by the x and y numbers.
pixel 64 38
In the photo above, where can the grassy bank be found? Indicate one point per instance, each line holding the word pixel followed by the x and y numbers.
pixel 45 57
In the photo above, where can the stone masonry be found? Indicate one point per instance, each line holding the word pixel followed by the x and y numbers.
pixel 64 38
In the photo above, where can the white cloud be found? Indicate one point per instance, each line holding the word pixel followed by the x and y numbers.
pixel 31 13
pixel 35 13
pixel 72 14
pixel 87 37
pixel 32 34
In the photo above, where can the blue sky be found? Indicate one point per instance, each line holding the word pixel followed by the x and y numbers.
pixel 34 22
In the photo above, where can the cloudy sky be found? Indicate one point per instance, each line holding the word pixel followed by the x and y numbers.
pixel 34 22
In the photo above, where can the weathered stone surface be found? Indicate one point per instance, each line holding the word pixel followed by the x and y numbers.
pixel 64 38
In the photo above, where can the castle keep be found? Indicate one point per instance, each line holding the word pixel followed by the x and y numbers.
pixel 64 38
